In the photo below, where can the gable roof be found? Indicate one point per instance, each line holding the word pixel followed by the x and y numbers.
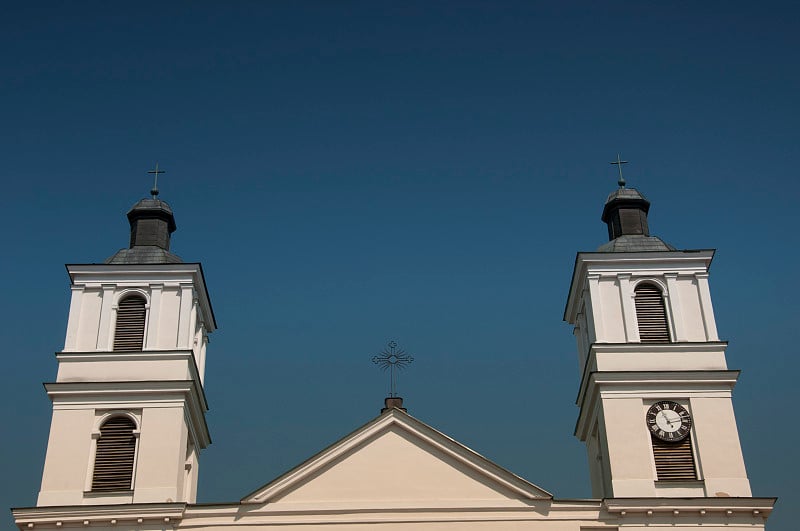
pixel 396 457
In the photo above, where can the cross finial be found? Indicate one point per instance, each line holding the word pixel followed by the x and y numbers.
pixel 155 172
pixel 619 163
pixel 391 358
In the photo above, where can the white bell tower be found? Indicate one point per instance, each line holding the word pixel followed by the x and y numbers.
pixel 128 404
pixel 655 392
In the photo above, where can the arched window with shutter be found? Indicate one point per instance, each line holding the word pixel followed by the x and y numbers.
pixel 129 332
pixel 651 314
pixel 114 458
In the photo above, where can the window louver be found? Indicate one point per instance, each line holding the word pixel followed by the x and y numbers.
pixel 651 315
pixel 116 448
pixel 674 461
pixel 129 334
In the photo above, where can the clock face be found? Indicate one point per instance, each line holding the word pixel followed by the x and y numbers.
pixel 668 421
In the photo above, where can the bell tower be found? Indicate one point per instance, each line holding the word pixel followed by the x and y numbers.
pixel 655 390
pixel 129 409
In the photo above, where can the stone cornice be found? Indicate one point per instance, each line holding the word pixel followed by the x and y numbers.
pixel 145 355
pixel 630 508
pixel 643 383
pixel 85 515
pixel 658 348
pixel 97 393
pixel 643 348
pixel 379 512
pixel 689 261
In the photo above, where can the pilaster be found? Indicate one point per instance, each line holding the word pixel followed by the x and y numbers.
pixel 594 309
pixel 628 308
pixel 151 338
pixel 673 303
pixel 104 329
pixel 73 321
pixel 706 308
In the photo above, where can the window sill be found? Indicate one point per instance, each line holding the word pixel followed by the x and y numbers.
pixel 107 493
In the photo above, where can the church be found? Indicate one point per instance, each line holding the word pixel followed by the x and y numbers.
pixel 655 412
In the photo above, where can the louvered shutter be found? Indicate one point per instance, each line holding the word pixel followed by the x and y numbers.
pixel 651 315
pixel 674 461
pixel 116 448
pixel 129 334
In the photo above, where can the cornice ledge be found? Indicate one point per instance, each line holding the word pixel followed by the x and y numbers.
pixel 703 255
pixel 109 355
pixel 30 517
pixel 134 387
pixel 709 376
pixel 659 348
pixel 132 268
pixel 754 506
pixel 188 390
pixel 715 376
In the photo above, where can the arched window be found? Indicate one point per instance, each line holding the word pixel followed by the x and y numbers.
pixel 116 449
pixel 129 334
pixel 651 314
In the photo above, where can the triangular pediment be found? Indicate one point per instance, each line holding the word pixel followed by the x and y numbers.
pixel 397 460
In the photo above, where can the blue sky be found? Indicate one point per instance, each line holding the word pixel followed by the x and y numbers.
pixel 350 173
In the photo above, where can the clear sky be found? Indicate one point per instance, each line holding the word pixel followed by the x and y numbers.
pixel 354 172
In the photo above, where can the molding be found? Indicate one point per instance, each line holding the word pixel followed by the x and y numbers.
pixel 757 507
pixel 649 384
pixel 641 263
pixel 165 513
pixel 660 348
pixel 133 275
pixel 101 395
pixel 144 355
pixel 644 349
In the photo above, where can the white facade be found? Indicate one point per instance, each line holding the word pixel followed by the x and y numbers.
pixel 622 377
pixel 395 472
pixel 160 387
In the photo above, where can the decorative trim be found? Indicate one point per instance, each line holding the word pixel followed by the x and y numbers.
pixel 99 514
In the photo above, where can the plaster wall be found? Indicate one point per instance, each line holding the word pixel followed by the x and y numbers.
pixel 168 318
pixel 418 476
pixel 160 472
pixel 121 366
pixel 613 305
pixel 691 312
pixel 613 329
pixel 629 453
pixel 599 462
pixel 721 459
pixel 664 357
pixel 88 319
pixel 67 459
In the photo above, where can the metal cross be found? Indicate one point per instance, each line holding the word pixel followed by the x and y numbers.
pixel 392 358
pixel 619 164
pixel 155 172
